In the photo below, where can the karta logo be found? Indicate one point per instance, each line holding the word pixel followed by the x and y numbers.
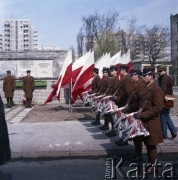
pixel 115 169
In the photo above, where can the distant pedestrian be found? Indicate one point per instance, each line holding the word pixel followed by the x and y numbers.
pixel 5 152
pixel 166 83
pixel 28 87
pixel 9 88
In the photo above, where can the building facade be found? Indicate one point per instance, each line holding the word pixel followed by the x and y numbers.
pixel 18 35
pixel 174 46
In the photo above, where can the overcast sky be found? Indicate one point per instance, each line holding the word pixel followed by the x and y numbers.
pixel 58 21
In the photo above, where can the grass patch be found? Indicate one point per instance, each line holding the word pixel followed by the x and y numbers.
pixel 38 84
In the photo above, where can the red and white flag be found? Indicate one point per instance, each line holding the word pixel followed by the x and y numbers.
pixel 78 65
pixel 64 78
pixel 125 59
pixel 84 76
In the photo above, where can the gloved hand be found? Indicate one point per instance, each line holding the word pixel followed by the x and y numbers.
pixel 125 110
pixel 112 98
pixel 137 115
pixel 89 92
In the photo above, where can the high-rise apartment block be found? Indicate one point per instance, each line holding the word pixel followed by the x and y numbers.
pixel 174 45
pixel 18 35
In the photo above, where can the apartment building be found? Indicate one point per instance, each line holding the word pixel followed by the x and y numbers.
pixel 18 35
pixel 174 45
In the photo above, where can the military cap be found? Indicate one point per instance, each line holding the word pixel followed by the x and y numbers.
pixel 96 70
pixel 105 69
pixel 148 70
pixel 161 68
pixel 123 67
pixel 8 72
pixel 113 68
pixel 135 71
pixel 28 71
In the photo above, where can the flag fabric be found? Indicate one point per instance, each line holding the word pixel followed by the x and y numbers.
pixel 84 76
pixel 78 64
pixel 125 59
pixel 104 61
pixel 115 60
pixel 66 72
pixel 64 78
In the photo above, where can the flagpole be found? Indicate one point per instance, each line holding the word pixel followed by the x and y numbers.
pixel 70 95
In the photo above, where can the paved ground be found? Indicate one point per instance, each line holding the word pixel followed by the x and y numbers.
pixel 66 138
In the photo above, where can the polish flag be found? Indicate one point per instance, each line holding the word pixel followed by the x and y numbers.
pixel 125 59
pixel 78 64
pixel 115 60
pixel 104 61
pixel 64 79
pixel 84 75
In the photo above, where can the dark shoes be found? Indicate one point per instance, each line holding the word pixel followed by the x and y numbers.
pixel 104 127
pixel 96 122
pixel 87 104
pixel 174 135
pixel 111 133
pixel 121 143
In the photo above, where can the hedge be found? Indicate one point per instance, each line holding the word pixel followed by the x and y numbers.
pixel 38 84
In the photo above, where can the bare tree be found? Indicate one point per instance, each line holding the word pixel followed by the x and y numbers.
pixel 80 43
pixel 101 31
pixel 156 41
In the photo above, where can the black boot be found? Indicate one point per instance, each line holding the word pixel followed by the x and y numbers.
pixel 30 103
pixel 106 124
pixel 97 121
pixel 137 158
pixel 27 103
pixel 112 132
pixel 8 102
pixel 121 142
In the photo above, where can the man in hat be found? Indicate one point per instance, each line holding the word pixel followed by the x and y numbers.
pixel 9 88
pixel 166 83
pixel 28 87
pixel 96 82
pixel 121 95
pixel 151 101
pixel 102 89
pixel 111 89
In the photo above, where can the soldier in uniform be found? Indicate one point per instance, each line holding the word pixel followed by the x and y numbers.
pixel 166 83
pixel 151 101
pixel 102 89
pixel 96 82
pixel 121 95
pixel 28 87
pixel 9 88
pixel 5 152
pixel 112 86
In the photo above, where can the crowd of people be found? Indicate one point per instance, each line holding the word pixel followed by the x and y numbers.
pixel 138 94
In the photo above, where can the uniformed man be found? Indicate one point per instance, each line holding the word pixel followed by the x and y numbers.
pixel 113 84
pixel 28 87
pixel 9 88
pixel 102 89
pixel 122 92
pixel 96 82
pixel 151 103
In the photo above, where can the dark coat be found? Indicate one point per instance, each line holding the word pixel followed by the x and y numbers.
pixel 9 86
pixel 113 84
pixel 133 99
pixel 150 113
pixel 126 87
pixel 104 85
pixel 166 83
pixel 96 84
pixel 28 86
pixel 5 152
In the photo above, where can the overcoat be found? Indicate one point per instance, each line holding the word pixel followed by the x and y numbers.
pixel 124 89
pixel 113 85
pixel 28 86
pixel 5 152
pixel 96 84
pixel 9 86
pixel 154 98
pixel 104 86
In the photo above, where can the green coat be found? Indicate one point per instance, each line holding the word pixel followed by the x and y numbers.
pixel 9 86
